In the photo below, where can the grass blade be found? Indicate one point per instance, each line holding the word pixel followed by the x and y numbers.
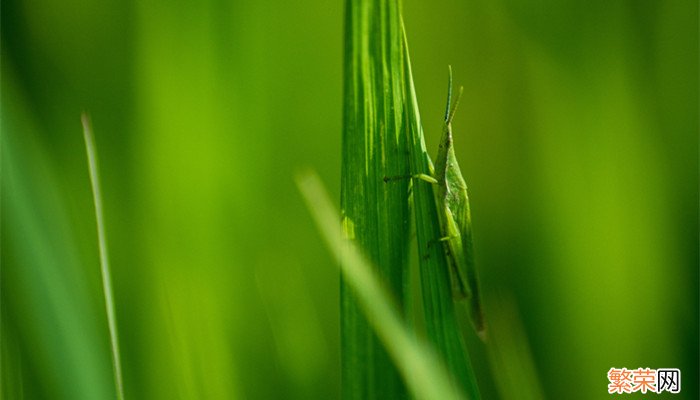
pixel 443 328
pixel 374 143
pixel 423 374
pixel 104 255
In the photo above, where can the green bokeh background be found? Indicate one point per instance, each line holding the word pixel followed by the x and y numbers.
pixel 578 135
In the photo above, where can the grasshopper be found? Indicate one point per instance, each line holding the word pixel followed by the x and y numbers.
pixel 452 202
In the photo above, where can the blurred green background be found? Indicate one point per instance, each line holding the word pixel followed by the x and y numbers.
pixel 578 135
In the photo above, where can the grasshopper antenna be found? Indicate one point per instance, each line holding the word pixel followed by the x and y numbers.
pixel 450 111
pixel 449 92
pixel 454 109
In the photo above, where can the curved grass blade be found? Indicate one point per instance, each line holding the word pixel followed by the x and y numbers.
pixel 104 255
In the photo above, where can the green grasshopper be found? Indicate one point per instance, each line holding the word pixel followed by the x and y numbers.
pixel 452 200
pixel 452 203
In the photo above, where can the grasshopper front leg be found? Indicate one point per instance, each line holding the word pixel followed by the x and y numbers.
pixel 423 177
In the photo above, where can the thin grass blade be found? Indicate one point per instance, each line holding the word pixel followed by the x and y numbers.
pixel 104 254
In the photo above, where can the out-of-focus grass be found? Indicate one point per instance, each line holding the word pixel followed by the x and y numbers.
pixel 512 366
pixel 578 132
